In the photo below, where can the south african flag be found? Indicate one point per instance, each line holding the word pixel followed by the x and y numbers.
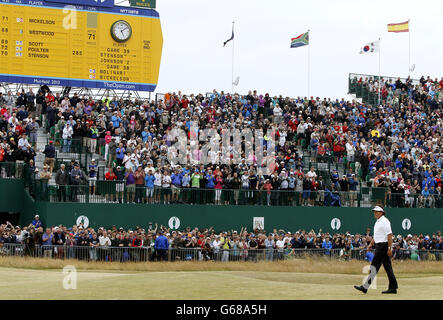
pixel 301 40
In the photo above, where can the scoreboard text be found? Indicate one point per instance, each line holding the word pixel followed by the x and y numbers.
pixel 80 46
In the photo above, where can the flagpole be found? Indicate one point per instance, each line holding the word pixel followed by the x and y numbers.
pixel 232 71
pixel 309 63
pixel 409 35
pixel 379 78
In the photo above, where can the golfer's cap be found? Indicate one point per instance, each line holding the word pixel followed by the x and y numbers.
pixel 378 208
pixel 409 235
pixel 92 160
pixel 37 216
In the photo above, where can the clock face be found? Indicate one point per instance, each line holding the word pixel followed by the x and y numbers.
pixel 121 31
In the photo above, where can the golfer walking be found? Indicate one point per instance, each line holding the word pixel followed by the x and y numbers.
pixel 383 252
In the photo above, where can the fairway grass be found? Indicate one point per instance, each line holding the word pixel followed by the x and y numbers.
pixel 296 279
pixel 229 285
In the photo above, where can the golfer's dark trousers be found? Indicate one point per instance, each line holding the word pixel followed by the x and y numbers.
pixel 381 257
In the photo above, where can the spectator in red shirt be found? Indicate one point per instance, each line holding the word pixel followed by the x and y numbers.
pixel 185 102
pixel 110 176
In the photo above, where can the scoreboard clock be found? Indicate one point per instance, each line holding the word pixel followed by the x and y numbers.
pixel 121 31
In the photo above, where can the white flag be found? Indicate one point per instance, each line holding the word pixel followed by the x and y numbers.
pixel 371 47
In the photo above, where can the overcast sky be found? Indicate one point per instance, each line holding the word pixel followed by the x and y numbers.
pixel 195 61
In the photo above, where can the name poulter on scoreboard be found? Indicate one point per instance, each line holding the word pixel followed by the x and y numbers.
pixel 36 50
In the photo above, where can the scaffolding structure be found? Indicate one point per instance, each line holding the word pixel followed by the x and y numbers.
pixel 96 94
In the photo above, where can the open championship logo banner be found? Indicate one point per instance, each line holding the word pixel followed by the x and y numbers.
pixel 174 223
pixel 335 224
pixel 406 224
pixel 83 220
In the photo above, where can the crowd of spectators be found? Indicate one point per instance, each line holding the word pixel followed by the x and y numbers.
pixel 162 243
pixel 395 145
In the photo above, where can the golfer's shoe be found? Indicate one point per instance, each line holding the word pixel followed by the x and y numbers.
pixel 390 291
pixel 361 288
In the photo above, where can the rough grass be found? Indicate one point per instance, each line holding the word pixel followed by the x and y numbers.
pixel 307 265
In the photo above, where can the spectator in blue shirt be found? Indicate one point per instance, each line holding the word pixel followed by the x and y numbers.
pixel 327 244
pixel 145 134
pixel 47 240
pixel 176 182
pixel 120 154
pixel 398 163
pixel 116 120
pixel 353 189
pixel 425 197
pixel 149 183
pixel 36 222
pixel 161 247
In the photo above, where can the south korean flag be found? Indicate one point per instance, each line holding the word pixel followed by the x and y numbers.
pixel 371 47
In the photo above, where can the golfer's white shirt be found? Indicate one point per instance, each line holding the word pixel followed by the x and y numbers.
pixel 381 230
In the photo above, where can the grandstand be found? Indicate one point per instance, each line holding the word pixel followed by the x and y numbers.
pixel 341 153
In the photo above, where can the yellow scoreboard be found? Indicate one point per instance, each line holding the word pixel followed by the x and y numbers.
pixel 79 45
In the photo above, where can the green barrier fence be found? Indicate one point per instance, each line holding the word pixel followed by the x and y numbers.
pixel 332 219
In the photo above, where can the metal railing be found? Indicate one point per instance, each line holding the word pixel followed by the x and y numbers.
pixel 102 191
pixel 238 254
pixel 361 90
pixel 16 170
pixel 352 76
pixel 74 149
pixel 119 192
